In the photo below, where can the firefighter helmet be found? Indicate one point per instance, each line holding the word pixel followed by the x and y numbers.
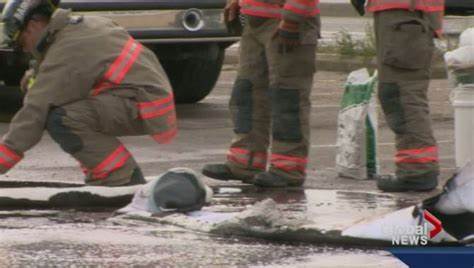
pixel 17 13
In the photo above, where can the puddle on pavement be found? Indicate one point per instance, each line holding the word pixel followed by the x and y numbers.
pixel 69 237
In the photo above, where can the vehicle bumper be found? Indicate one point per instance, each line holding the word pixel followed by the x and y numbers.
pixel 172 26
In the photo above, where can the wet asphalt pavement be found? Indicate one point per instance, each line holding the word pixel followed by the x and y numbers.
pixel 51 238
pixel 72 238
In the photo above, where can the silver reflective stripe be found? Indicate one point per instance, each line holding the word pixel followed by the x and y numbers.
pixel 7 159
pixel 113 164
pixel 147 110
pixel 124 62
pixel 289 163
pixel 300 6
pixel 276 11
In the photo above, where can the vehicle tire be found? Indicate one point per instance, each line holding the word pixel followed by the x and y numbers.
pixel 11 75
pixel 13 79
pixel 193 78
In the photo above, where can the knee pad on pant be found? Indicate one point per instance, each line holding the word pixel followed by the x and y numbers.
pixel 389 96
pixel 286 115
pixel 63 135
pixel 242 102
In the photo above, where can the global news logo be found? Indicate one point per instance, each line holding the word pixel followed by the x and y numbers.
pixel 418 235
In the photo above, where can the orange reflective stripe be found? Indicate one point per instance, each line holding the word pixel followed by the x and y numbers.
pixel 8 158
pixel 120 67
pixel 118 61
pixel 303 3
pixel 129 63
pixel 289 163
pixel 256 3
pixel 259 160
pixel 302 7
pixel 420 155
pixel 431 149
pixel 403 6
pixel 239 151
pixel 423 5
pixel 84 169
pixel 236 159
pixel 260 9
pixel 262 13
pixel 156 108
pixel 295 159
pixel 289 167
pixel 247 158
pixel 6 163
pixel 306 13
pixel 114 161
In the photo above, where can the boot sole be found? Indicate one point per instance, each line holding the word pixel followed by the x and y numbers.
pixel 287 185
pixel 229 177
pixel 407 188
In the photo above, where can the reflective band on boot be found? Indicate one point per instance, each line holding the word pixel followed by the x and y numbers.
pixel 113 162
pixel 240 156
pixel 8 158
pixel 289 163
pixel 418 156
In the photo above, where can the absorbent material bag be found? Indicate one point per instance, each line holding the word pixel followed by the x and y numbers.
pixel 357 127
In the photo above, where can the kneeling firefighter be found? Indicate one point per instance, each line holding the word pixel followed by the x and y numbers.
pixel 93 83
pixel 404 31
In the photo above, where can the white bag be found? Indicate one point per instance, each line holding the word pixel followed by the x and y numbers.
pixel 357 128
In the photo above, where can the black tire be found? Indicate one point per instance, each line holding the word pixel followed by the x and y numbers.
pixel 193 78
pixel 12 68
pixel 13 78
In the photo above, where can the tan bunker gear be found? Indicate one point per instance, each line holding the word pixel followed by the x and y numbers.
pixel 270 102
pixel 94 82
pixel 405 30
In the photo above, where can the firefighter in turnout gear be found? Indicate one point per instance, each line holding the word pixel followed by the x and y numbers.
pixel 404 31
pixel 270 102
pixel 93 83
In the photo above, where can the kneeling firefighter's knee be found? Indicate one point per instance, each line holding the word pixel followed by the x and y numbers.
pixel 62 134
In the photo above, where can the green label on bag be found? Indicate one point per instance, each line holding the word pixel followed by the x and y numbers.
pixel 355 94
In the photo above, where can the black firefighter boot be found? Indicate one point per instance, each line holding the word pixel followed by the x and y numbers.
pixel 137 178
pixel 392 183
pixel 222 172
pixel 270 179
